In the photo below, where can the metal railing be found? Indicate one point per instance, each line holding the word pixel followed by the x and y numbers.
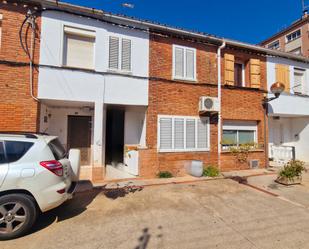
pixel 282 154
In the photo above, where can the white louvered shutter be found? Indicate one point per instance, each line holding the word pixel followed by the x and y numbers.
pixel 179 62
pixel 113 52
pixel 179 133
pixel 166 133
pixel 79 51
pixel 190 133
pixel 298 80
pixel 202 135
pixel 190 64
pixel 126 55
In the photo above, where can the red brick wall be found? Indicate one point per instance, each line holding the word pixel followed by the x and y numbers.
pixel 170 97
pixel 18 111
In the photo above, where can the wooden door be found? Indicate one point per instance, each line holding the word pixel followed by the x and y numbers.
pixel 79 136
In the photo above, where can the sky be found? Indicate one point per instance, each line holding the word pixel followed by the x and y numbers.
pixel 243 20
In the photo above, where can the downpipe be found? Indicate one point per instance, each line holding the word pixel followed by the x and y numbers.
pixel 219 98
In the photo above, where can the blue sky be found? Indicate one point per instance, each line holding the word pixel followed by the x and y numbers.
pixel 244 20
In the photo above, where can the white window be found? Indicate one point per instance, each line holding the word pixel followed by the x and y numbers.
pixel 179 134
pixel 79 48
pixel 274 45
pixel 296 51
pixel 119 53
pixel 293 36
pixel 184 63
pixel 299 80
pixel 236 133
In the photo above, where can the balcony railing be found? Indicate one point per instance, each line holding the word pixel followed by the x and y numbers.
pixel 282 154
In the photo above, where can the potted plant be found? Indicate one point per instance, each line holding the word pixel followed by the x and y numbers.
pixel 291 173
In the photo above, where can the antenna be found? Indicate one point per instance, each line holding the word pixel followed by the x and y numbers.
pixel 305 5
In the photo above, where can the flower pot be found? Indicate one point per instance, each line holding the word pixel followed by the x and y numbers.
pixel 289 181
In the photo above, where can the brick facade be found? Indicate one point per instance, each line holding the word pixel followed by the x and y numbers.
pixel 173 97
pixel 18 111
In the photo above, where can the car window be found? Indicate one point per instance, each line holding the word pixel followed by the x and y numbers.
pixel 15 150
pixel 57 149
pixel 2 155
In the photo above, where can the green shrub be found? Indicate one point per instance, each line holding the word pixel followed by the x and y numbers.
pixel 211 171
pixel 293 168
pixel 165 174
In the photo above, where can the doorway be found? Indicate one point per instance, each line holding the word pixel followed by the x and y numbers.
pixel 79 136
pixel 114 152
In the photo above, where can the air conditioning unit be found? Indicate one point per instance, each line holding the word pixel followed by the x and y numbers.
pixel 254 164
pixel 209 104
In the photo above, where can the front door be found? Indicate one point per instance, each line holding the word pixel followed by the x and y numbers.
pixel 79 136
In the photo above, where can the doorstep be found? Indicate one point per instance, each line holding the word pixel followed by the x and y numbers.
pixel 143 182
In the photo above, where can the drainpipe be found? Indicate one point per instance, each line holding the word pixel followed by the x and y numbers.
pixel 219 98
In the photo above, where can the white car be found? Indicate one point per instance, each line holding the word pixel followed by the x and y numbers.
pixel 36 174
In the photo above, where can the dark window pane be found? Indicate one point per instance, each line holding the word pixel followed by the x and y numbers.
pixel 238 74
pixel 229 137
pixel 2 155
pixel 57 149
pixel 246 137
pixel 15 150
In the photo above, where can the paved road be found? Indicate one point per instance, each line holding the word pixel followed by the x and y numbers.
pixel 213 214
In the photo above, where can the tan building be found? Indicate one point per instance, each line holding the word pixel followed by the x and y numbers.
pixel 293 39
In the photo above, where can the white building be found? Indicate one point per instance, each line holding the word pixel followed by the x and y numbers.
pixel 93 89
pixel 289 114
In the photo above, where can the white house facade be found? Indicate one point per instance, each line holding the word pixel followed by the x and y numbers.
pixel 93 89
pixel 289 114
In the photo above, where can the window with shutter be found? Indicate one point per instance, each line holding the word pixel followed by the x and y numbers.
pixel 181 134
pixel 113 52
pixel 184 65
pixel 299 79
pixel 126 55
pixel 229 77
pixel 120 53
pixel 283 76
pixel 166 125
pixel 78 48
pixel 255 73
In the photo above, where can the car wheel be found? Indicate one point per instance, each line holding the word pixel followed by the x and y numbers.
pixel 18 213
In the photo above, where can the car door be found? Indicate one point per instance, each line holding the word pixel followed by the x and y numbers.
pixel 4 166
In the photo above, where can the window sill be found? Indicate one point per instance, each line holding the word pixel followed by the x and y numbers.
pixel 250 151
pixel 78 68
pixel 115 71
pixel 185 80
pixel 183 151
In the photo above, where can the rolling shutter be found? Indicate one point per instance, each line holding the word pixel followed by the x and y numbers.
pixel 283 76
pixel 166 133
pixel 79 51
pixel 229 69
pixel 113 52
pixel 126 55
pixel 255 73
pixel 190 64
pixel 179 62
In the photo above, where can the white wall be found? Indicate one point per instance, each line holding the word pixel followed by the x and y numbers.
pixel 271 71
pixel 293 105
pixel 72 85
pixel 291 132
pixel 57 120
